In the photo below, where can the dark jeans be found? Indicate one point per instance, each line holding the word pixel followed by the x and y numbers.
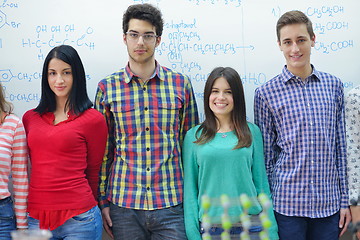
pixel 161 224
pixel 7 218
pixel 304 228
pixel 215 232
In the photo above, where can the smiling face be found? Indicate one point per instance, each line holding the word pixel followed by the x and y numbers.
pixel 60 78
pixel 221 100
pixel 139 51
pixel 295 43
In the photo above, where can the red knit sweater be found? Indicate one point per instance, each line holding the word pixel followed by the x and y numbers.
pixel 65 163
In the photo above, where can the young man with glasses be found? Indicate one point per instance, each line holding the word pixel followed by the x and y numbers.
pixel 148 108
pixel 301 115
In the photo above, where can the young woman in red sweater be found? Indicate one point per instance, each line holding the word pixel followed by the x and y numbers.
pixel 66 140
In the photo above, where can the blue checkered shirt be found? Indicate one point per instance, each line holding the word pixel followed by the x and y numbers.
pixel 303 127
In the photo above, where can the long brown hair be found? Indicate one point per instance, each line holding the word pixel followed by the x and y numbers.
pixel 209 126
pixel 5 107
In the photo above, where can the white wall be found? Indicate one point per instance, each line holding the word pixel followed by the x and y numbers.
pixel 198 36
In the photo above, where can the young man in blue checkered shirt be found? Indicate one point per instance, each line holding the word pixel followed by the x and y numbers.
pixel 301 115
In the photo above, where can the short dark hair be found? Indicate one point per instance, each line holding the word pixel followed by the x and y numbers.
pixel 145 12
pixel 209 126
pixel 294 17
pixel 78 100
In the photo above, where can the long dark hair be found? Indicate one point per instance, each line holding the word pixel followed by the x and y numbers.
pixel 78 100
pixel 238 115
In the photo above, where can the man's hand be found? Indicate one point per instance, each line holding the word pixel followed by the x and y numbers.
pixel 355 214
pixel 345 218
pixel 107 223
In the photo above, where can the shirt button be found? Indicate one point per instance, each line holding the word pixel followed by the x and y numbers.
pixel 148 188
pixel 147 149
pixel 144 88
pixel 148 169
pixel 147 129
pixel 146 108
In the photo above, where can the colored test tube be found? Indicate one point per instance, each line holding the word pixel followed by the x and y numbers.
pixel 205 202
pixel 225 201
pixel 264 200
pixel 225 222
pixel 245 201
pixel 244 236
pixel 245 221
pixel 265 221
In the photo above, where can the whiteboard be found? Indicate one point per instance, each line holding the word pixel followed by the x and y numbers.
pixel 198 36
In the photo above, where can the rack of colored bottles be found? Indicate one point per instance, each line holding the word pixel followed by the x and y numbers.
pixel 245 203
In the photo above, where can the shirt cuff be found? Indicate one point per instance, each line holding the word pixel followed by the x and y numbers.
pixel 104 203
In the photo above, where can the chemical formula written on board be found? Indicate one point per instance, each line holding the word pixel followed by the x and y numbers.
pixel 49 36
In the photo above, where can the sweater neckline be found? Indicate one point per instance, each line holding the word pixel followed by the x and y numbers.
pixel 224 134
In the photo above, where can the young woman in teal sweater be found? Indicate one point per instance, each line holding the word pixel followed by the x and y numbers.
pixel 224 156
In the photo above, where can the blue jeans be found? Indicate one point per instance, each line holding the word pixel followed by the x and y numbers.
pixel 87 226
pixel 7 218
pixel 161 224
pixel 304 228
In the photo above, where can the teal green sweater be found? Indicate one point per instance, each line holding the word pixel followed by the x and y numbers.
pixel 214 169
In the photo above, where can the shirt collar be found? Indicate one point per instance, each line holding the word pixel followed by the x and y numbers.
pixel 158 72
pixel 49 117
pixel 286 75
